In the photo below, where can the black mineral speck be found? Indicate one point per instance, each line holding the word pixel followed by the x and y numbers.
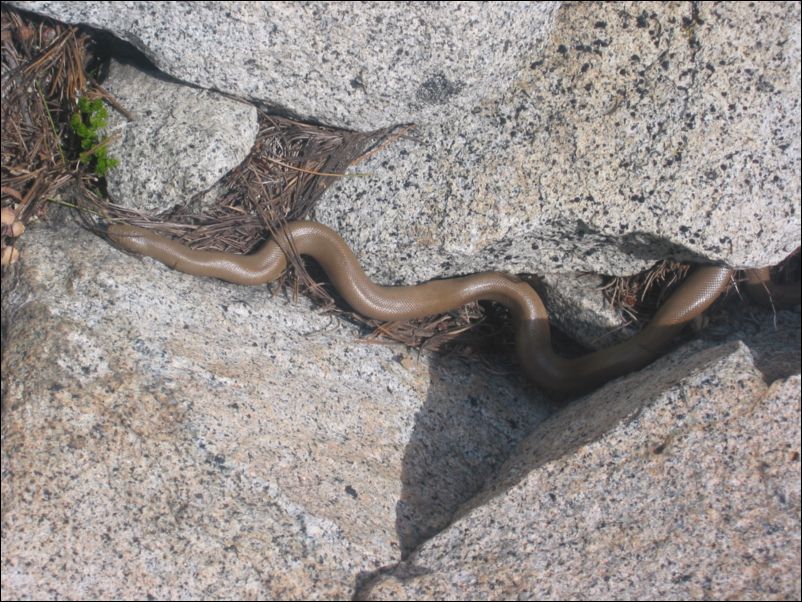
pixel 438 89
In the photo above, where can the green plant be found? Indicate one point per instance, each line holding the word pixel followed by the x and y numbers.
pixel 90 117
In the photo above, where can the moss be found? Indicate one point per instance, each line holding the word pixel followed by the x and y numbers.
pixel 91 117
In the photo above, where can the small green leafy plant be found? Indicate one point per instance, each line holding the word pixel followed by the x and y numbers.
pixel 90 117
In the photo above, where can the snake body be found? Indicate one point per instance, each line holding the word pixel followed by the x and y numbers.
pixel 533 340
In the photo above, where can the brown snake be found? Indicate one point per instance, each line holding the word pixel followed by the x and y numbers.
pixel 533 341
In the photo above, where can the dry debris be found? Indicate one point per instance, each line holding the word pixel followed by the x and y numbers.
pixel 639 296
pixel 43 68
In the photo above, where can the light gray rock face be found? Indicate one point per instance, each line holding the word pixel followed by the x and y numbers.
pixel 577 305
pixel 360 66
pixel 192 439
pixel 176 437
pixel 180 140
pixel 644 131
pixel 681 482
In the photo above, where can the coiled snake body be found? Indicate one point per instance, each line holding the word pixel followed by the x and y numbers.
pixel 533 341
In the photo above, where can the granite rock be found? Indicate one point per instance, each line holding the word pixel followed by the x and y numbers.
pixel 641 132
pixel 188 438
pixel 578 307
pixel 360 66
pixel 177 437
pixel 680 482
pixel 179 142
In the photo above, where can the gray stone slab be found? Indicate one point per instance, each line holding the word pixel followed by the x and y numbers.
pixel 360 66
pixel 643 131
pixel 680 482
pixel 177 437
pixel 179 142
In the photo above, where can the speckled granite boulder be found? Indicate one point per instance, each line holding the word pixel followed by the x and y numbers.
pixel 170 436
pixel 360 65
pixel 681 482
pixel 643 131
pixel 179 142
pixel 175 437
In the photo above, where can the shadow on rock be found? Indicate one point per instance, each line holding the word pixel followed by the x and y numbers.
pixel 470 423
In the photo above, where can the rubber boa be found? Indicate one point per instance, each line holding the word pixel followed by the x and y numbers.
pixel 533 340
